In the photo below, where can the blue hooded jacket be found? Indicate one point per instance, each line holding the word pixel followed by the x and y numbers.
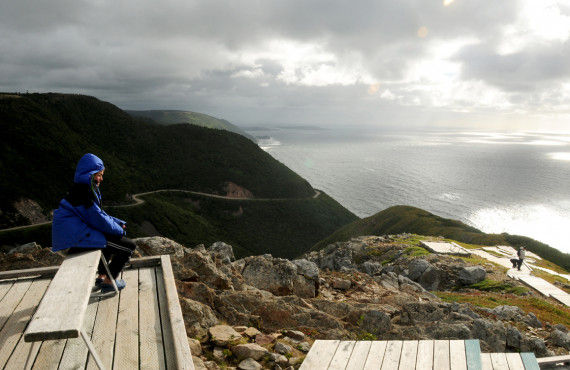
pixel 83 223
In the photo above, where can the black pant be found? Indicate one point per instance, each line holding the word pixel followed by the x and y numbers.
pixel 117 252
pixel 519 263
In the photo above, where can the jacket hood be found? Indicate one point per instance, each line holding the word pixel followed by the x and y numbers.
pixel 88 165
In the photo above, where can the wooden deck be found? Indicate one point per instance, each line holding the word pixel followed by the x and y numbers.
pixel 412 354
pixel 142 327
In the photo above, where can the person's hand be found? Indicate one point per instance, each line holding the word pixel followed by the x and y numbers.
pixel 124 226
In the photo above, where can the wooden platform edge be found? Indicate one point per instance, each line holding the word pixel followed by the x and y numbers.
pixel 553 359
pixel 52 270
pixel 473 354
pixel 180 338
pixel 529 361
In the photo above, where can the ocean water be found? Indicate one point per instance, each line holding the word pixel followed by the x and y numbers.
pixel 498 182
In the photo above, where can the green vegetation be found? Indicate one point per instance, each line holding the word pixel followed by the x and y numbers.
pixel 416 252
pixel 169 117
pixel 543 309
pixel 489 285
pixel 44 135
pixel 406 219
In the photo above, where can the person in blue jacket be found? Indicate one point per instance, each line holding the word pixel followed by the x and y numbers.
pixel 80 222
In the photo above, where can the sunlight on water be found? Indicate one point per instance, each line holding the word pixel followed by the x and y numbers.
pixel 540 222
pixel 560 156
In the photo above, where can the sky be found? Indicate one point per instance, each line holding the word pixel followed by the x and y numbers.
pixel 380 63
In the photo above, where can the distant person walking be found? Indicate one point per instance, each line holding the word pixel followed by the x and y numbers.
pixel 80 222
pixel 521 254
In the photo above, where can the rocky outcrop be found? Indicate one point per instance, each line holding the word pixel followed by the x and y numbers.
pixel 471 274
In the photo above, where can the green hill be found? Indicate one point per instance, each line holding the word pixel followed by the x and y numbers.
pixel 44 135
pixel 406 219
pixel 169 117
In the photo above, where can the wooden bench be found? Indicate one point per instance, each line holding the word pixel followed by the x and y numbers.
pixel 62 310
pixel 397 354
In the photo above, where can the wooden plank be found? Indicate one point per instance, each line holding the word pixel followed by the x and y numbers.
pixel 12 331
pixel 35 272
pixel 103 337
pixel 150 261
pixel 320 355
pixel 424 357
pixel 359 355
pixel 486 363
pixel 167 335
pixel 457 356
pixel 441 354
pixel 409 354
pixel 499 361
pixel 69 291
pixel 75 352
pixel 529 361
pixel 150 334
pixel 342 354
pixel 49 355
pixel 127 336
pixel 178 329
pixel 376 355
pixel 515 362
pixel 553 359
pixel 392 355
pixel 473 354
pixel 12 300
pixel 5 287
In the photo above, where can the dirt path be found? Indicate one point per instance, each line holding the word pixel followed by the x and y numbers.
pixel 139 201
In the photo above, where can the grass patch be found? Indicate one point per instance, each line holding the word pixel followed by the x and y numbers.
pixel 489 285
pixel 416 251
pixel 543 309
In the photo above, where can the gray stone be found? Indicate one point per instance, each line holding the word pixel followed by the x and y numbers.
pixel 25 248
pixel 251 332
pixel 249 350
pixel 371 268
pixel 449 331
pixel 388 281
pixel 341 284
pixel 157 245
pixel 304 347
pixel 198 363
pixel 535 345
pixel 509 313
pixel 417 267
pixel 375 322
pixel 282 348
pixel 219 354
pixel 514 337
pixel 560 339
pixel 249 364
pixel 222 335
pixel 561 327
pixel 431 278
pixel 225 251
pixel 195 346
pixel 197 317
pixel 532 320
pixel 307 268
pixel 471 275
pixel 294 334
pixel 278 359
pixel 211 365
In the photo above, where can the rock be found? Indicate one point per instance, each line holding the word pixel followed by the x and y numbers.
pixel 560 339
pixel 211 365
pixel 282 348
pixel 198 363
pixel 304 347
pixel 222 335
pixel 514 337
pixel 535 345
pixel 307 268
pixel 371 268
pixel 471 275
pixel 561 327
pixel 278 359
pixel 491 333
pixel 341 284
pixel 195 346
pixel 431 278
pixel 294 334
pixel 417 267
pixel 375 322
pixel 157 245
pixel 251 332
pixel 423 312
pixel 278 276
pixel 197 317
pixel 263 339
pixel 388 281
pixel 293 361
pixel 532 320
pixel 249 350
pixel 219 354
pixel 204 267
pixel 223 250
pixel 509 313
pixel 25 248
pixel 449 331
pixel 240 329
pixel 249 364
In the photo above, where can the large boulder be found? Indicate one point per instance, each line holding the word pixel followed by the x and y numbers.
pixel 431 278
pixel 222 335
pixel 278 276
pixel 371 268
pixel 560 339
pixel 417 267
pixel 471 274
pixel 157 245
pixel 375 322
pixel 197 317
pixel 223 250
pixel 249 350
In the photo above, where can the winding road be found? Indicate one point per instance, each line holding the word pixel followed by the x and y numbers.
pixel 139 201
